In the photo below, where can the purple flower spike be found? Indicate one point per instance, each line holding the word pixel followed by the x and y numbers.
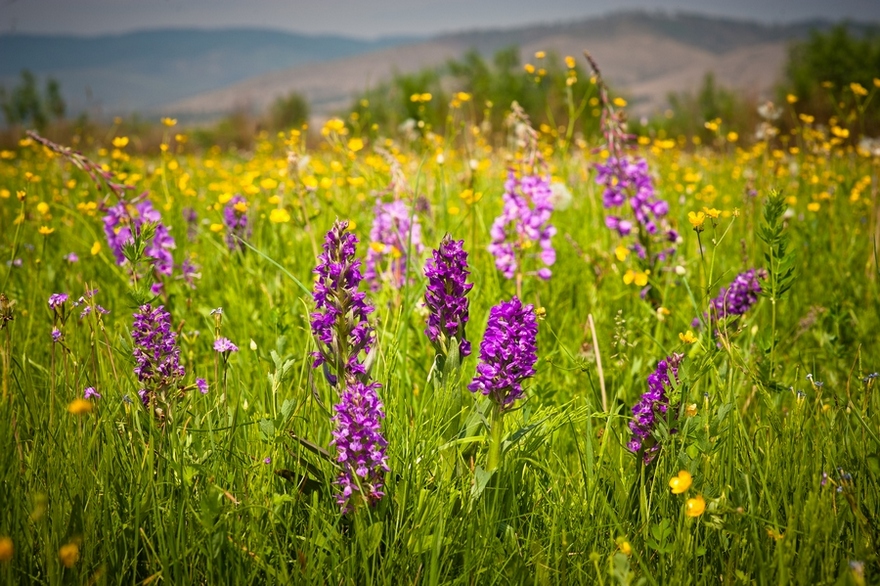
pixel 236 220
pixel 118 225
pixel 342 333
pixel 652 405
pixel 737 298
pixel 223 345
pixel 360 445
pixel 524 220
pixel 340 323
pixel 156 354
pixel 395 232
pixel 202 385
pixel 446 296
pixel 91 393
pixel 508 352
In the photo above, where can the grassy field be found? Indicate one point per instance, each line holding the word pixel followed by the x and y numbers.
pixel 771 435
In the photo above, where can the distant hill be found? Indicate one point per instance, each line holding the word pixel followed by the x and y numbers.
pixel 645 55
pixel 199 73
pixel 139 71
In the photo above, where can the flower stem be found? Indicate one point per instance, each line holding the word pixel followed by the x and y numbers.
pixel 496 433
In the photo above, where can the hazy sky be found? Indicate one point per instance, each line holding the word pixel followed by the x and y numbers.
pixel 372 18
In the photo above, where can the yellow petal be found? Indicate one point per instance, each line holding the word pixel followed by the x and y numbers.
pixel 681 482
pixel 694 507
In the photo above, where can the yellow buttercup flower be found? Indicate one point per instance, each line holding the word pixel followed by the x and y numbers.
pixel 120 142
pixel 529 68
pixel 625 548
pixel 6 549
pixel 169 122
pixel 279 216
pixel 619 102
pixel 712 212
pixel 69 554
pixel 79 407
pixel 621 252
pixel 690 410
pixel 216 227
pixel 695 507
pixel 687 338
pixel 355 144
pixel 639 278
pixel 858 89
pixel 46 230
pixel 681 482
pixel 569 61
pixel 96 248
pixel 697 219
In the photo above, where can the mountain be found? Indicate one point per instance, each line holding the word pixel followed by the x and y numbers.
pixel 139 71
pixel 205 73
pixel 644 55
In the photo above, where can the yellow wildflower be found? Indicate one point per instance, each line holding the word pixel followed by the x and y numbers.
pixel 712 212
pixel 619 102
pixel 688 338
pixel 569 61
pixel 241 207
pixel 80 406
pixel 470 197
pixel 120 142
pixel 774 534
pixel 46 230
pixel 695 507
pixel 216 227
pixel 696 219
pixel 690 410
pixel 279 216
pixel 639 278
pixel 6 549
pixel 20 195
pixel 625 548
pixel 858 89
pixel 813 206
pixel 791 98
pixel 169 122
pixel 529 68
pixel 355 144
pixel 621 252
pixel 96 248
pixel 69 554
pixel 681 482
pixel 540 54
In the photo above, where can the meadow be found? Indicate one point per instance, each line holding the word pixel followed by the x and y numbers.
pixel 179 405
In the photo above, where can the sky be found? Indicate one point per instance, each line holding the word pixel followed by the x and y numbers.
pixel 375 18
